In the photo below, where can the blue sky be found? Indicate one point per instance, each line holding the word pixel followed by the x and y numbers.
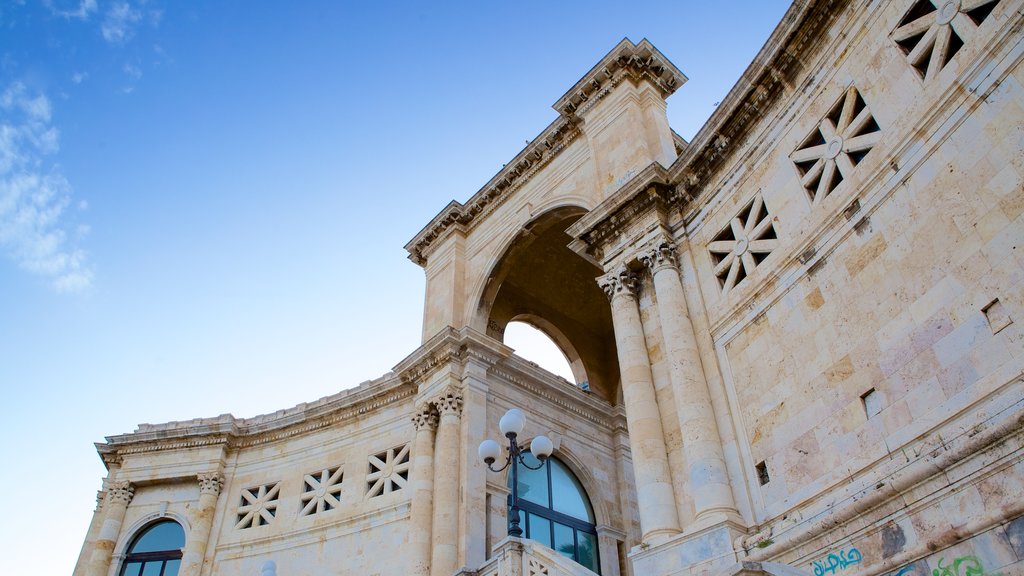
pixel 203 206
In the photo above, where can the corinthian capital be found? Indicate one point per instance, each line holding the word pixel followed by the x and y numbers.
pixel 661 255
pixel 449 402
pixel 120 492
pixel 210 482
pixel 425 418
pixel 621 282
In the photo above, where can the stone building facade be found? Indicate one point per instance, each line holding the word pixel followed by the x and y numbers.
pixel 797 339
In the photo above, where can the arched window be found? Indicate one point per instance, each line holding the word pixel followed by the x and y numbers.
pixel 556 511
pixel 156 551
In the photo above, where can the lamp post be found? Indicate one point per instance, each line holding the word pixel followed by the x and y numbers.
pixel 511 425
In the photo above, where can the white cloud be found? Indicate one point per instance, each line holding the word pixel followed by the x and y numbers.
pixel 132 71
pixel 80 12
pixel 79 77
pixel 34 197
pixel 120 22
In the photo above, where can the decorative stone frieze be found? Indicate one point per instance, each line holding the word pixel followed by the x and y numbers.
pixel 932 32
pixel 389 471
pixel 742 245
pixel 259 506
pixel 210 482
pixel 837 144
pixel 321 491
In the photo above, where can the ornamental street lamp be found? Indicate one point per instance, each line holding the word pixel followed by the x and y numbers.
pixel 511 425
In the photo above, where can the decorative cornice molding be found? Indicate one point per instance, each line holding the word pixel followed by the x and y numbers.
pixel 647 193
pixel 234 433
pixel 770 75
pixel 627 61
pixel 210 482
pixel 464 217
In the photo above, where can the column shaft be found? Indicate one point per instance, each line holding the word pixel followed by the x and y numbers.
pixel 655 497
pixel 422 513
pixel 118 496
pixel 202 524
pixel 445 531
pixel 702 446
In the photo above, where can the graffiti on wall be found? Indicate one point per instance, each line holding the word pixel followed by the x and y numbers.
pixel 959 566
pixel 840 561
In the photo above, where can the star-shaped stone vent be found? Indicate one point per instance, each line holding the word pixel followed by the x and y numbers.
pixel 321 491
pixel 743 244
pixel 258 506
pixel 840 141
pixel 389 471
pixel 933 31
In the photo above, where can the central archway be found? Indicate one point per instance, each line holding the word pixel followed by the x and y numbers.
pixel 540 281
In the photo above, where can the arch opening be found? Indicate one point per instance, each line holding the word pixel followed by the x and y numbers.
pixel 540 281
pixel 536 345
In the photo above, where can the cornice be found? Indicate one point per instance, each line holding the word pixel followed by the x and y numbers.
pixel 464 217
pixel 233 433
pixel 770 74
pixel 557 391
pixel 634 62
pixel 649 190
pixel 450 346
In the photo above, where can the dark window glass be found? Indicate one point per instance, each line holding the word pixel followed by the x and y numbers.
pixel 160 537
pixel 587 550
pixel 567 495
pixel 156 551
pixel 556 511
pixel 540 530
pixel 565 542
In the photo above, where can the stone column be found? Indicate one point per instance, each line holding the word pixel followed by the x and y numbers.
pixel 702 446
pixel 119 494
pixel 445 533
pixel 210 484
pixel 655 498
pixel 422 481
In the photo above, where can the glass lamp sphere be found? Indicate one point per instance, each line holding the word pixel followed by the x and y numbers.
pixel 541 447
pixel 489 451
pixel 512 422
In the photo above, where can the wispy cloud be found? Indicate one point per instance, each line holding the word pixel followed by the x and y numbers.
pixel 120 22
pixel 35 197
pixel 79 12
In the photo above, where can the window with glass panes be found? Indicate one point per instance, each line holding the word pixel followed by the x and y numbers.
pixel 556 512
pixel 156 551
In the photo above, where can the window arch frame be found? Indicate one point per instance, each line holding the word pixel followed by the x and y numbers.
pixel 162 556
pixel 528 507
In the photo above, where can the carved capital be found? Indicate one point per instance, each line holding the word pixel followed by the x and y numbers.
pixel 621 282
pixel 100 496
pixel 120 492
pixel 210 482
pixel 449 402
pixel 662 255
pixel 425 418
